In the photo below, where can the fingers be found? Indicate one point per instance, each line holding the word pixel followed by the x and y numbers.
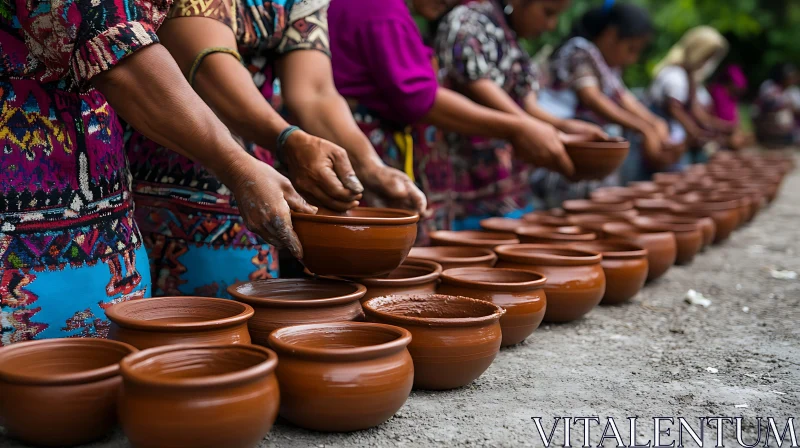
pixel 344 169
pixel 297 202
pixel 324 200
pixel 333 186
pixel 562 160
pixel 418 200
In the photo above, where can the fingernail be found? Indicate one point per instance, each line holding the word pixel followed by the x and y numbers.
pixel 353 184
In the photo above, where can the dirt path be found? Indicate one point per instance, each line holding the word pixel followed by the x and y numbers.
pixel 653 357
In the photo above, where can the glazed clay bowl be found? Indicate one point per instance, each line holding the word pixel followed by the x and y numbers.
pixel 662 247
pixel 545 217
pixel 687 230
pixel 280 303
pixel 609 206
pixel 624 265
pixel 60 392
pixel 450 257
pixel 368 242
pixel 342 377
pixel 160 321
pixel 596 159
pixel 507 225
pixel 414 277
pixel 472 238
pixel 575 279
pixel 594 221
pixel 453 339
pixel 207 396
pixel 553 235
pixel 724 213
pixel 520 293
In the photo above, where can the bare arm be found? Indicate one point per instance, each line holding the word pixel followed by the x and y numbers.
pixel 600 104
pixel 148 90
pixel 634 106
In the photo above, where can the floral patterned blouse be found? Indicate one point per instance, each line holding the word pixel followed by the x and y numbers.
pixel 64 187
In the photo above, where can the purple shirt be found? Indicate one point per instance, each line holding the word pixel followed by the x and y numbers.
pixel 379 58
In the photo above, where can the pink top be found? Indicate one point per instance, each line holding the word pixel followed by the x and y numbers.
pixel 379 58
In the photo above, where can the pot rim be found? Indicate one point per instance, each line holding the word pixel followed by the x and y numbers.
pixel 358 292
pixel 652 222
pixel 449 236
pixel 636 230
pixel 114 314
pixel 434 268
pixel 403 217
pixel 401 341
pixel 370 309
pixel 453 277
pixel 488 255
pixel 613 143
pixel 636 251
pixel 83 377
pixel 539 231
pixel 486 224
pixel 579 257
pixel 260 370
pixel 597 205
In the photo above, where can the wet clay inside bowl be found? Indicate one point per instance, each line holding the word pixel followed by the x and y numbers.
pixel 66 386
pixel 455 256
pixel 342 376
pixel 148 323
pixel 282 302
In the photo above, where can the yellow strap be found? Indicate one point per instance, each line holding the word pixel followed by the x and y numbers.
pixel 405 142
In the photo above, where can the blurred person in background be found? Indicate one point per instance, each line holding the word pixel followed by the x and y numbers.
pixel 726 89
pixel 388 76
pixel 776 112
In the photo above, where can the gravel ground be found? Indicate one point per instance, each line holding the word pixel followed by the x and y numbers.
pixel 656 356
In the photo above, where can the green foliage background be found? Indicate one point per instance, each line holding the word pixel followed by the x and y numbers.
pixel 761 32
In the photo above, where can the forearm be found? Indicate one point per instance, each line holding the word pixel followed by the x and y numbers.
pixel 683 117
pixel 630 103
pixel 149 91
pixel 533 109
pixel 606 108
pixel 454 112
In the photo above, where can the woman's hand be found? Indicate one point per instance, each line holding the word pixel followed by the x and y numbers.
pixel 389 187
pixel 662 129
pixel 265 199
pixel 655 151
pixel 580 127
pixel 539 144
pixel 321 171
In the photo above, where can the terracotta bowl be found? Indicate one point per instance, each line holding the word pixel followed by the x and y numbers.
pixel 611 206
pixel 507 225
pixel 596 159
pixel 687 230
pixel 199 396
pixel 649 187
pixel 280 303
pixel 148 323
pixel 342 377
pixel 575 279
pixel 662 247
pixel 60 392
pixel 413 277
pixel 553 235
pixel 472 238
pixel 594 221
pixel 368 242
pixel 653 206
pixel 450 257
pixel 624 265
pixel 724 213
pixel 520 293
pixel 453 339
pixel 621 193
pixel 544 217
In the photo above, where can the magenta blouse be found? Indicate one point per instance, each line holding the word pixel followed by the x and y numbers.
pixel 379 59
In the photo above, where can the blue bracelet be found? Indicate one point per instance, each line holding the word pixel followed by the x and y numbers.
pixel 284 135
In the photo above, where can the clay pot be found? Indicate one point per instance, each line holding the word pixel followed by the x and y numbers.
pixel 594 222
pixel 575 280
pixel 662 247
pixel 60 392
pixel 667 179
pixel 453 339
pixel 546 218
pixel 472 238
pixel 450 257
pixel 603 206
pixel 688 234
pixel 624 265
pixel 724 213
pixel 189 396
pixel 653 206
pixel 280 303
pixel 596 159
pixel 553 235
pixel 342 376
pixel 507 225
pixel 649 187
pixel 368 242
pixel 179 320
pixel 745 204
pixel 520 293
pixel 617 193
pixel 414 277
